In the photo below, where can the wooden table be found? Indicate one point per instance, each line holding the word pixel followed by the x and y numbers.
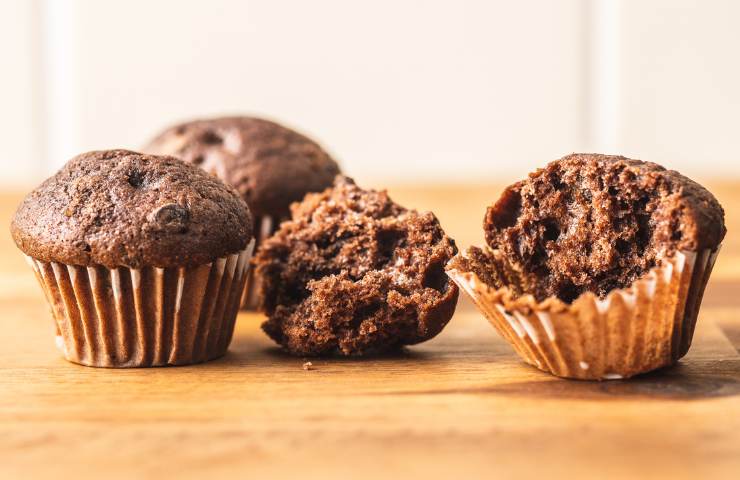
pixel 460 405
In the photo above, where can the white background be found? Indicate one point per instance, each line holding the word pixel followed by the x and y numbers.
pixel 400 91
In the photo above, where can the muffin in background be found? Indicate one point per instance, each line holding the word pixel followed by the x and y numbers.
pixel 354 273
pixel 595 265
pixel 142 258
pixel 271 166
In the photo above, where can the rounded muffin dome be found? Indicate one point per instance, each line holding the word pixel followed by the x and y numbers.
pixel 119 208
pixel 270 165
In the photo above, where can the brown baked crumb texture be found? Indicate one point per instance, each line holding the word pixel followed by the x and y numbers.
pixel 591 222
pixel 270 165
pixel 354 273
pixel 119 208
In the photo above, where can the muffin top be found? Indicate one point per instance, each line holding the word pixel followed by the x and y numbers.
pixel 591 222
pixel 119 208
pixel 355 273
pixel 270 165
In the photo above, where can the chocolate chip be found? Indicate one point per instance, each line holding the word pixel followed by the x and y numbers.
pixel 171 218
pixel 210 137
pixel 136 179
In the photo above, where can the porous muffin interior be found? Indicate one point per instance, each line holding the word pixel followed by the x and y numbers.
pixel 355 273
pixel 592 223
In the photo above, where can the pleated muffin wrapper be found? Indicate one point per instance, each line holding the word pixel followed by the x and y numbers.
pixel 266 226
pixel 126 317
pixel 634 330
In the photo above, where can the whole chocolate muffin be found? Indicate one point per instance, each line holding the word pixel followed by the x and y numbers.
pixel 143 258
pixel 596 265
pixel 271 166
pixel 355 273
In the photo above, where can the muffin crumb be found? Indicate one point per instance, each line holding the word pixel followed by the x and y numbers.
pixel 591 222
pixel 354 273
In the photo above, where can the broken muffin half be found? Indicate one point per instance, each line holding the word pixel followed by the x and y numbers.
pixel 354 273
pixel 616 249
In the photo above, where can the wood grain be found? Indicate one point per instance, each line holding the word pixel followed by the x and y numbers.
pixel 460 405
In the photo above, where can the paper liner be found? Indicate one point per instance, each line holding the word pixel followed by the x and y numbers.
pixel 633 330
pixel 146 317
pixel 266 227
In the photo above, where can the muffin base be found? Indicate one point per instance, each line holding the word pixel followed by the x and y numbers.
pixel 147 317
pixel 634 330
pixel 267 225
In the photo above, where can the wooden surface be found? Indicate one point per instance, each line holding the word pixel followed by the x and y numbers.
pixel 460 405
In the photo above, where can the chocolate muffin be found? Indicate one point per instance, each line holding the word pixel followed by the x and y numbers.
pixel 589 226
pixel 354 273
pixel 270 165
pixel 142 258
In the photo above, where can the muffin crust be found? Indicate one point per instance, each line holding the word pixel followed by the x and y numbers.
pixel 270 165
pixel 122 208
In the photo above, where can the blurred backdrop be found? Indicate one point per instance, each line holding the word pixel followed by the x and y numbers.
pixel 400 91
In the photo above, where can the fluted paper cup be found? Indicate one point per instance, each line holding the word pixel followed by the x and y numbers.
pixel 266 226
pixel 645 326
pixel 126 317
